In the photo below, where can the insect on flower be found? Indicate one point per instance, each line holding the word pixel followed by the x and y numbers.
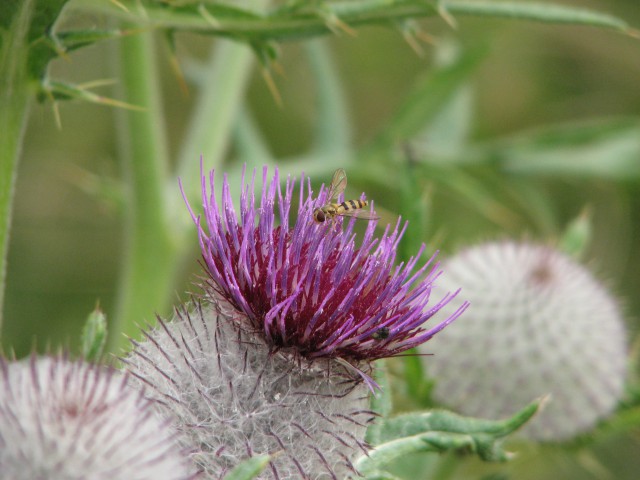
pixel 313 293
pixel 348 208
pixel 381 333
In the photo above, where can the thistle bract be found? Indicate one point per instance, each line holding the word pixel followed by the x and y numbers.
pixel 308 287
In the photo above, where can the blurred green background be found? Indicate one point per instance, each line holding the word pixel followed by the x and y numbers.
pixel 65 251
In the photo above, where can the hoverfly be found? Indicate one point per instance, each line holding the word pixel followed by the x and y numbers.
pixel 348 208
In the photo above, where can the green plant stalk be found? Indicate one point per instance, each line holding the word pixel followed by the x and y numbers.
pixel 248 26
pixel 223 84
pixel 14 107
pixel 149 266
pixel 333 134
pixel 288 24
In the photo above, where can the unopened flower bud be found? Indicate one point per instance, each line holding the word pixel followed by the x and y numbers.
pixel 538 323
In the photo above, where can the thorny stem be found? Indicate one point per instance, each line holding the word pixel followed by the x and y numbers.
pixel 14 108
pixel 148 260
pixel 303 21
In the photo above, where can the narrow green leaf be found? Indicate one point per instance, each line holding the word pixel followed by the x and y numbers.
pixel 427 100
pixel 475 190
pixel 75 39
pixel 541 12
pixel 439 431
pixel 577 235
pixel 45 16
pixel 414 205
pixel 94 335
pixel 449 130
pixel 56 90
pixel 445 421
pixel 425 442
pixel 600 149
pixel 249 469
pixel 380 475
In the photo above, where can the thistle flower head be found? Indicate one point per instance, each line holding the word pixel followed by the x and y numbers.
pixel 307 286
pixel 64 420
pixel 266 363
pixel 539 323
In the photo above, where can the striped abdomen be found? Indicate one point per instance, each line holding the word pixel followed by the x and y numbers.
pixel 349 205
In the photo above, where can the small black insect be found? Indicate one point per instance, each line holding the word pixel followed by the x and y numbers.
pixel 381 333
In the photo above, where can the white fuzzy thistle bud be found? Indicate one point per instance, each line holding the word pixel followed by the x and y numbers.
pixel 235 397
pixel 64 420
pixel 538 323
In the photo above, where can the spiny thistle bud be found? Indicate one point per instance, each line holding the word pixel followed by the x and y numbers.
pixel 235 397
pixel 277 357
pixel 539 323
pixel 64 420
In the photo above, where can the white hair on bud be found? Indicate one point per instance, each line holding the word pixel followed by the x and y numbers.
pixel 69 420
pixel 234 397
pixel 538 323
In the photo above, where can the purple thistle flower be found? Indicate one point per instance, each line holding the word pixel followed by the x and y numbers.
pixel 308 287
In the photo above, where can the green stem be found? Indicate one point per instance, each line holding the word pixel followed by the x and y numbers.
pixel 247 25
pixel 14 108
pixel 297 23
pixel 249 142
pixel 223 82
pixel 333 132
pixel 445 466
pixel 149 265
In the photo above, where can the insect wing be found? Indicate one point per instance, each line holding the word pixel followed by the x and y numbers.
pixel 338 184
pixel 360 214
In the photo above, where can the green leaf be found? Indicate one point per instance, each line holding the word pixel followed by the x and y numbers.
pixel 41 24
pixel 415 205
pixel 50 46
pixel 55 90
pixel 446 421
pixel 94 335
pixel 74 39
pixel 432 93
pixel 600 149
pixel 448 132
pixel 439 431
pixel 249 469
pixel 577 235
pixel 380 475
pixel 541 12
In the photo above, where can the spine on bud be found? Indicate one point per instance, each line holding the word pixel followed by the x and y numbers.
pixel 234 397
